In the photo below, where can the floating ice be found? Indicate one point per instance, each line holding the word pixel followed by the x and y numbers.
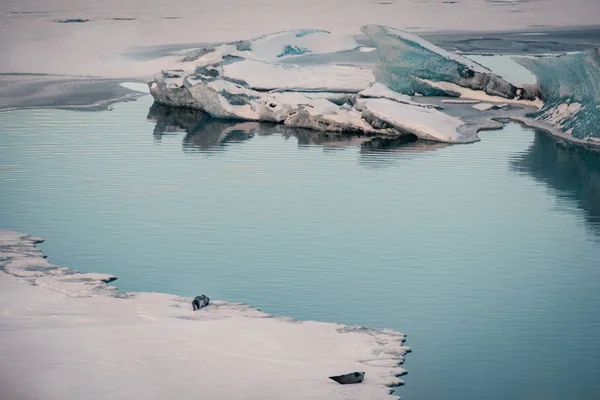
pixel 380 91
pixel 266 76
pixel 407 60
pixel 245 81
pixel 295 43
pixel 570 88
pixel 275 47
pixel 423 122
pixel 74 338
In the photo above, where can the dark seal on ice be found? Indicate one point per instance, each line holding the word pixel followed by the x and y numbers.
pixel 199 302
pixel 353 377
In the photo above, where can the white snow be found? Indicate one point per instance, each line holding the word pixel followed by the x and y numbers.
pixel 426 123
pixel 75 339
pixel 136 86
pixel 480 95
pixel 273 47
pixel 380 91
pixel 507 68
pixel 266 76
pixel 488 106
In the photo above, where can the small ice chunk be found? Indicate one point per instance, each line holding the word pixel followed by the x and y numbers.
pixel 488 106
pixel 136 86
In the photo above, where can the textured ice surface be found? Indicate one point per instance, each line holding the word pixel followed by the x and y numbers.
pixel 570 87
pixel 231 81
pixel 75 338
pixel 406 60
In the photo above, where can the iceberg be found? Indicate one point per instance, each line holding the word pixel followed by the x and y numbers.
pixel 68 335
pixel 265 76
pixel 570 89
pixel 407 62
pixel 424 122
pixel 377 110
pixel 245 81
pixel 276 46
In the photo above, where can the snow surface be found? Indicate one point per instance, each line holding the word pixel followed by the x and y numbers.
pixel 380 91
pixel 266 76
pixel 67 335
pixel 425 123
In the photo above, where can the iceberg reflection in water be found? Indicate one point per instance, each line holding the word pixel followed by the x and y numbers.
pixel 573 172
pixel 208 135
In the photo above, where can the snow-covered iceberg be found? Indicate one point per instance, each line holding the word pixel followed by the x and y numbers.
pixel 67 335
pixel 570 89
pixel 407 61
pixel 246 81
pixel 275 46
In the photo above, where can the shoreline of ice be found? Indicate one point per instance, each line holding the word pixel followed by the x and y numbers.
pixel 68 335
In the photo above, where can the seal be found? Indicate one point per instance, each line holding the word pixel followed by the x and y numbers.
pixel 200 301
pixel 353 377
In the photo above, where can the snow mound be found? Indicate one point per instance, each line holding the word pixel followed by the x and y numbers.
pixel 74 338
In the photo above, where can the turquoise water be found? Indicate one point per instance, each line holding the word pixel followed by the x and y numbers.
pixel 486 255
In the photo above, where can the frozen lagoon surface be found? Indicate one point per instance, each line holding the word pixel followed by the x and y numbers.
pixel 152 345
pixel 485 255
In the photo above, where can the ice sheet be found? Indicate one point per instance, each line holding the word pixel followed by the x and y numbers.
pixel 76 339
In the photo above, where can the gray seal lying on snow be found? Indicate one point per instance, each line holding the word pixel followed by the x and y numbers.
pixel 199 302
pixel 353 377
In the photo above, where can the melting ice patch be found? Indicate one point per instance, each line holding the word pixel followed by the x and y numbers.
pixel 74 338
pixel 570 87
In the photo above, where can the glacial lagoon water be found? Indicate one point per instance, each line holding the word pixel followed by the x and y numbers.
pixel 487 255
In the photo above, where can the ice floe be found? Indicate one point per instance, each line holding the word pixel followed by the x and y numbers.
pixel 68 335
pixel 246 80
